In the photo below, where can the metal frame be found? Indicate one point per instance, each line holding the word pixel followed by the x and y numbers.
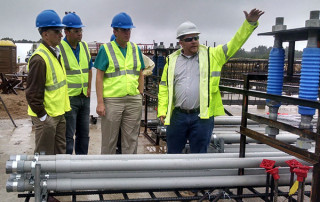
pixel 313 158
pixel 222 193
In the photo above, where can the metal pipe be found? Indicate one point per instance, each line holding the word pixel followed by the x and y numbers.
pixel 301 191
pixel 233 120
pixel 134 157
pixel 235 138
pixel 60 166
pixel 37 188
pixel 235 148
pixel 146 174
pixel 275 191
pixel 156 183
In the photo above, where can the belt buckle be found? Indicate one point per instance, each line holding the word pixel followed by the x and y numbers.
pixel 189 111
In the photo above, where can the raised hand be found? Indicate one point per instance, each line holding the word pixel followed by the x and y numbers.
pixel 254 15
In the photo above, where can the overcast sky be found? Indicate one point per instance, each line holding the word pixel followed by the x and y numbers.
pixel 157 20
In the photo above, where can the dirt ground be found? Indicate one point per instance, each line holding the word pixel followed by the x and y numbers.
pixel 16 104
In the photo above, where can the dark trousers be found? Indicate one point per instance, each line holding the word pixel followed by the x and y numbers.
pixel 190 127
pixel 78 124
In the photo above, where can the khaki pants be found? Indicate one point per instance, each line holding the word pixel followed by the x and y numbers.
pixel 50 135
pixel 125 113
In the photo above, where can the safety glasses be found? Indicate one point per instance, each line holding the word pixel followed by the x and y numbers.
pixel 76 31
pixel 56 31
pixel 124 30
pixel 189 39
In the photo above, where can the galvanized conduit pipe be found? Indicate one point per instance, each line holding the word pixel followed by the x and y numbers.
pixel 60 166
pixel 138 156
pixel 261 149
pixel 235 138
pixel 234 120
pixel 149 183
pixel 220 120
pixel 147 174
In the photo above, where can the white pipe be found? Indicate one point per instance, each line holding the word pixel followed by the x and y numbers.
pixel 231 120
pixel 60 166
pixel 160 173
pixel 138 156
pixel 235 138
pixel 155 183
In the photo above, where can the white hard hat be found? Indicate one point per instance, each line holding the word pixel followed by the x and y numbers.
pixel 187 28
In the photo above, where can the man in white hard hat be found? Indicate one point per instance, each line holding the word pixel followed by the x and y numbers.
pixel 189 95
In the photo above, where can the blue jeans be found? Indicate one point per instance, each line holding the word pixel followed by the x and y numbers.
pixel 77 121
pixel 190 127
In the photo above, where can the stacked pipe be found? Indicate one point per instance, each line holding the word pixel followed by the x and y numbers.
pixel 227 140
pixel 309 79
pixel 275 75
pixel 138 172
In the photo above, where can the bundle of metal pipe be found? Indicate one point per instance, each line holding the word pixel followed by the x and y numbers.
pixel 136 172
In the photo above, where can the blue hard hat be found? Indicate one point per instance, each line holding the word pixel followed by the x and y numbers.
pixel 72 20
pixel 113 37
pixel 122 20
pixel 48 18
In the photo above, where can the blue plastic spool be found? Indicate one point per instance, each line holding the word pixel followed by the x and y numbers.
pixel 275 73
pixel 309 79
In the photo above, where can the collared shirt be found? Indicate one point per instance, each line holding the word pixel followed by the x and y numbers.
pixel 186 82
pixel 56 50
pixel 102 60
pixel 76 52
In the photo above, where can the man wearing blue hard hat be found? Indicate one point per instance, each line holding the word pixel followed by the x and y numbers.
pixel 119 90
pixel 47 91
pixel 77 62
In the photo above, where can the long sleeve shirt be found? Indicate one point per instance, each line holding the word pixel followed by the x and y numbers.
pixel 36 82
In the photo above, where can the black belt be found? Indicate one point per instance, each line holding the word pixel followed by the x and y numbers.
pixel 188 111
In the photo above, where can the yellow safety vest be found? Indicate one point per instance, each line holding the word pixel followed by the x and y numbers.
pixel 77 73
pixel 121 77
pixel 56 99
pixel 211 61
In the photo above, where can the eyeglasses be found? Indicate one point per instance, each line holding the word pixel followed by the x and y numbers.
pixel 76 31
pixel 189 39
pixel 56 31
pixel 125 30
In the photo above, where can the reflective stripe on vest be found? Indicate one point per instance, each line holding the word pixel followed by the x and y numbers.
pixel 85 50
pixel 55 85
pixel 71 72
pixel 117 71
pixel 56 100
pixel 215 74
pixel 121 77
pixel 77 85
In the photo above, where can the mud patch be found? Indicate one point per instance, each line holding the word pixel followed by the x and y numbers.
pixel 16 104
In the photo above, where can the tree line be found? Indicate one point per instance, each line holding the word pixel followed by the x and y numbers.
pixel 20 41
pixel 262 52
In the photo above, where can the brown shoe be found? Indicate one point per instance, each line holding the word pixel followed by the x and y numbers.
pixel 52 199
pixel 187 193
